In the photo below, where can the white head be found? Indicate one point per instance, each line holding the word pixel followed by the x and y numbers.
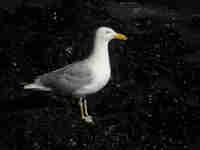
pixel 108 34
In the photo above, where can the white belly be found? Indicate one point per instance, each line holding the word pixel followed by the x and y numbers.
pixel 100 79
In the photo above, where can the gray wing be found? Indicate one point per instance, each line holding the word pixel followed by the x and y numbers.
pixel 67 79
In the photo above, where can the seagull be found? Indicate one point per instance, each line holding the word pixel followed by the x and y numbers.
pixel 84 77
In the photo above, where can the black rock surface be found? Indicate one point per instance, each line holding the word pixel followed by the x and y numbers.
pixel 151 102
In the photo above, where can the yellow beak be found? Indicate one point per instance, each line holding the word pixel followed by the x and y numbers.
pixel 120 36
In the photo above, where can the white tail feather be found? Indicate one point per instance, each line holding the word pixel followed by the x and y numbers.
pixel 35 86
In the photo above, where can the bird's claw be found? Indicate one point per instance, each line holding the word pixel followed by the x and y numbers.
pixel 88 119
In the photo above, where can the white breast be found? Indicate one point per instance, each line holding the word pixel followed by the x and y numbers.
pixel 101 76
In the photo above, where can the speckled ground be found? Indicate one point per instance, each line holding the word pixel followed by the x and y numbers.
pixel 151 102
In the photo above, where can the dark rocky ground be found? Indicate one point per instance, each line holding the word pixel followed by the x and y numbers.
pixel 151 102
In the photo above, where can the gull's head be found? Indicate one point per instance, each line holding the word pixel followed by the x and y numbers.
pixel 108 34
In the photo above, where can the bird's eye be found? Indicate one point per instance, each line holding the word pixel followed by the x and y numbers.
pixel 107 32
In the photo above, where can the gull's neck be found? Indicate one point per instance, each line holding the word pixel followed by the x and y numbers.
pixel 100 54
